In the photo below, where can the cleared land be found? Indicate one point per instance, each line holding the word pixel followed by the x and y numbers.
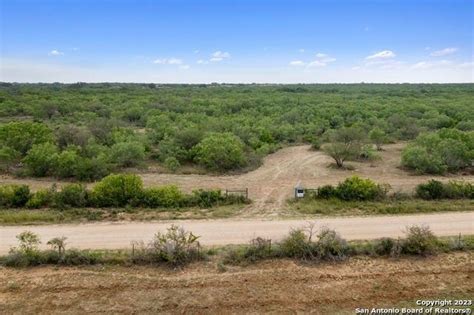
pixel 282 286
pixel 223 232
pixel 272 184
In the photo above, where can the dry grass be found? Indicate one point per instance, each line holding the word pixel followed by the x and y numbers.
pixel 282 286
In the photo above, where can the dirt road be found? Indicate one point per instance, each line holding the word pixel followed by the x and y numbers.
pixel 272 183
pixel 222 232
pixel 275 287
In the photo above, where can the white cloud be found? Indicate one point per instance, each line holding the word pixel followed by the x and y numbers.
pixel 55 52
pixel 321 60
pixel 429 65
pixel 384 54
pixel 316 63
pixel 202 62
pixel 219 56
pixel 355 68
pixel 166 61
pixel 297 63
pixel 175 61
pixel 444 52
pixel 184 67
pixel 422 65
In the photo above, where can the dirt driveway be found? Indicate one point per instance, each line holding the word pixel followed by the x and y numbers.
pixel 272 183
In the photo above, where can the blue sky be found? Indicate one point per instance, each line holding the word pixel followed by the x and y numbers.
pixel 237 41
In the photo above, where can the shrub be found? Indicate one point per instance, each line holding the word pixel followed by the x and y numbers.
pixel 118 190
pixel 458 190
pixel 176 246
pixel 220 151
pixel 378 137
pixel 72 195
pixel 436 153
pixel 259 248
pixel 92 168
pixel 165 196
pixel 356 188
pixel 127 154
pixel 67 162
pixel 327 192
pixel 172 163
pixel 8 158
pixel 367 153
pixel 41 198
pixel 384 246
pixel 14 195
pixel 206 198
pixel 297 245
pixel 22 135
pixel 41 159
pixel 419 241
pixel 330 246
pixel 432 190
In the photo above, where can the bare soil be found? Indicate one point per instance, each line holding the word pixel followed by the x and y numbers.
pixel 272 183
pixel 280 286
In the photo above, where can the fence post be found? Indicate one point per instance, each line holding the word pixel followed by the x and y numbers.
pixel 247 193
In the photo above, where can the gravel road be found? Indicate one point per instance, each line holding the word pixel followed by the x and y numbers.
pixel 221 232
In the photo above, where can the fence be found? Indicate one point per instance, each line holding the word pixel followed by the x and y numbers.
pixel 239 192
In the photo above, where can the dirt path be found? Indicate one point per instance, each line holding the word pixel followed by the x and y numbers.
pixel 276 287
pixel 223 232
pixel 272 183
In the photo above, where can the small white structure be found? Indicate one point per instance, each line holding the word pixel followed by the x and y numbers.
pixel 299 191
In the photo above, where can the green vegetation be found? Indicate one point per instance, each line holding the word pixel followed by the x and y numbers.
pixel 452 190
pixel 448 150
pixel 115 190
pixel 87 131
pixel 353 188
pixel 328 245
pixel 178 247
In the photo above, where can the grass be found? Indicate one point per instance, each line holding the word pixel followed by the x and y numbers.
pixel 75 215
pixel 339 207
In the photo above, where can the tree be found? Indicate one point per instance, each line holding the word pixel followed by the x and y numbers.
pixel 220 151
pixel 127 154
pixel 67 162
pixel 29 242
pixel 345 144
pixel 22 135
pixel 378 137
pixel 41 159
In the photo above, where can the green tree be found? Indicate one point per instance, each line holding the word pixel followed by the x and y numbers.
pixel 378 137
pixel 220 151
pixel 22 135
pixel 41 159
pixel 345 144
pixel 127 154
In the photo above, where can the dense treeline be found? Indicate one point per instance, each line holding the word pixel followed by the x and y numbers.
pixel 86 131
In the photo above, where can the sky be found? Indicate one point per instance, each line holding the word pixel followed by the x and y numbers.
pixel 246 41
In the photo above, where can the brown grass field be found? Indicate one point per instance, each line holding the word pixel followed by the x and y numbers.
pixel 279 286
